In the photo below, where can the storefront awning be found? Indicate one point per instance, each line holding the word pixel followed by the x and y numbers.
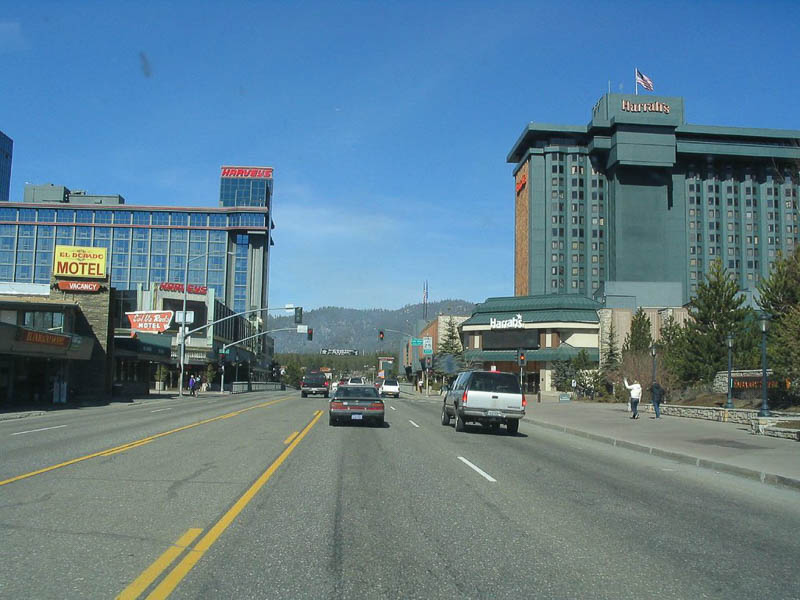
pixel 22 341
pixel 563 352
pixel 145 346
pixel 536 316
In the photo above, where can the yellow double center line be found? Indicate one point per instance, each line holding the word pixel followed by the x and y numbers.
pixel 136 443
pixel 171 581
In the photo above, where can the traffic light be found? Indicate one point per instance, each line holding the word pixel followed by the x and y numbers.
pixel 380 335
pixel 521 360
pixel 298 315
pixel 310 334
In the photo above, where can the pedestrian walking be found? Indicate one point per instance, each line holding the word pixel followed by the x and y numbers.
pixel 191 385
pixel 636 395
pixel 658 396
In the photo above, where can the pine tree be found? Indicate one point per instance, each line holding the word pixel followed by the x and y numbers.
pixel 785 349
pixel 563 374
pixel 638 338
pixel 717 309
pixel 780 291
pixel 611 356
pixel 450 343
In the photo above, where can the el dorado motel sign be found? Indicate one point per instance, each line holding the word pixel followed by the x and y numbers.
pixel 77 261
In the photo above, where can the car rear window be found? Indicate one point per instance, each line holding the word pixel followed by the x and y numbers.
pixel 390 382
pixel 505 383
pixel 314 378
pixel 359 392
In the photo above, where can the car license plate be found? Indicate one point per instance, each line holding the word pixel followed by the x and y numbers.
pixel 494 413
pixel 356 417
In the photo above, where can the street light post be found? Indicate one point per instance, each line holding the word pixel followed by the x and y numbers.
pixel 764 322
pixel 729 400
pixel 653 354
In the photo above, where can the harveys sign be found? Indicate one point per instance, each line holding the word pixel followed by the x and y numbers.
pixel 76 261
pixel 247 172
pixel 178 287
pixel 151 321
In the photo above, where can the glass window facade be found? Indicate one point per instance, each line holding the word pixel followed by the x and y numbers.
pixel 144 246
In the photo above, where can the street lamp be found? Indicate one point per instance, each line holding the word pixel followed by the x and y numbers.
pixel 729 401
pixel 764 322
pixel 653 349
pixel 183 315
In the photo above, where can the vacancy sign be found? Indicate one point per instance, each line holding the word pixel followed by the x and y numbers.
pixel 150 321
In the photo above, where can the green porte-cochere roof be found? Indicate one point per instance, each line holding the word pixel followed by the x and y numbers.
pixel 547 308
pixel 563 352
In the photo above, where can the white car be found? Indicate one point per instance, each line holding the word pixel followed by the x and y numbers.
pixel 390 387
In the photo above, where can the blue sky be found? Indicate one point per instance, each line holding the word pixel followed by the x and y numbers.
pixel 387 123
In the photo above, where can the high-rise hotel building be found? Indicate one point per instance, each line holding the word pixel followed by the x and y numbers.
pixel 227 248
pixel 638 195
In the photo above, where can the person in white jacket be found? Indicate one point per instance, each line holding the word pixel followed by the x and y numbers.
pixel 636 395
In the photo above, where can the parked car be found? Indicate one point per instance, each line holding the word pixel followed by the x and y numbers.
pixel 390 387
pixel 356 403
pixel 490 398
pixel 314 383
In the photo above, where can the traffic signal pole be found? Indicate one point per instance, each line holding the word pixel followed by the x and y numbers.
pixel 249 337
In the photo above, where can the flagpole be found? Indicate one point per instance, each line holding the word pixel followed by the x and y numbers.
pixel 635 81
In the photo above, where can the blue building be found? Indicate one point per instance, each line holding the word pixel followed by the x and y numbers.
pixel 6 151
pixel 151 250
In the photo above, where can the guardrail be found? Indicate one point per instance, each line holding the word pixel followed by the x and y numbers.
pixel 240 387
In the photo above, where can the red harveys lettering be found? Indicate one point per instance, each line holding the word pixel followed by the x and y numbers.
pixel 178 287
pixel 252 172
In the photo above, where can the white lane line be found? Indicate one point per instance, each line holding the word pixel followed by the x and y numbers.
pixel 160 409
pixel 481 472
pixel 393 408
pixel 414 424
pixel 35 430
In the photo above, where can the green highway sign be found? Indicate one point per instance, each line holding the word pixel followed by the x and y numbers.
pixel 416 341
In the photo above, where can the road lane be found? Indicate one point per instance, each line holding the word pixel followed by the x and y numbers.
pixel 96 526
pixel 359 511
pixel 77 434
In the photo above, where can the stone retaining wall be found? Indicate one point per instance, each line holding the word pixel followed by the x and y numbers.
pixel 745 416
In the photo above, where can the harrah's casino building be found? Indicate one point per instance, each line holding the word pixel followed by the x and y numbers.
pixel 640 199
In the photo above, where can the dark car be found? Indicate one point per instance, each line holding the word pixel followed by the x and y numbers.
pixel 314 383
pixel 356 403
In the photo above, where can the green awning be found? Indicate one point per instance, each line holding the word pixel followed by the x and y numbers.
pixel 536 316
pixel 145 346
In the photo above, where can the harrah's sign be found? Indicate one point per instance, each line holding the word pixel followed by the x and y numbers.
pixel 629 106
pixel 178 287
pixel 514 322
pixel 248 172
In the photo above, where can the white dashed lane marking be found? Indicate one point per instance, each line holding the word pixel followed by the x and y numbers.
pixel 35 430
pixel 478 470
pixel 414 424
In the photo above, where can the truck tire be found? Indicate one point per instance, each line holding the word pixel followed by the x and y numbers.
pixel 445 416
pixel 303 394
pixel 512 426
pixel 459 422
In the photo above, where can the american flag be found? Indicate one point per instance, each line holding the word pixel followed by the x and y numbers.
pixel 644 81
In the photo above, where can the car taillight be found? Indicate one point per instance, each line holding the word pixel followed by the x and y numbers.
pixel 326 383
pixel 524 401
pixel 464 397
pixel 375 406
pixel 337 404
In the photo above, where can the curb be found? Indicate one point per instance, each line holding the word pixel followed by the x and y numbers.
pixel 703 463
pixel 21 415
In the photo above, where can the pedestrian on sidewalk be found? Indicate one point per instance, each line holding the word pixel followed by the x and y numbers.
pixel 191 385
pixel 658 395
pixel 636 395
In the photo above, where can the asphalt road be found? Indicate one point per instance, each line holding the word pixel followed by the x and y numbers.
pixel 256 496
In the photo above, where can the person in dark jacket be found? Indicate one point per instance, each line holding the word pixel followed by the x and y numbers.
pixel 658 397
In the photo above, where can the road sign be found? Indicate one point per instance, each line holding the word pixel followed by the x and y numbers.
pixel 427 345
pixel 225 351
pixel 302 329
pixel 416 341
pixel 179 318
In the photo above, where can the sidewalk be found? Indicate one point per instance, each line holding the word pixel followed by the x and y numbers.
pixel 725 447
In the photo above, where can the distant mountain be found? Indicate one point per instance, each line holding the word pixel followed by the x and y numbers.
pixel 350 328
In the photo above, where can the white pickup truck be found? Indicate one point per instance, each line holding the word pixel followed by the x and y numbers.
pixel 490 398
